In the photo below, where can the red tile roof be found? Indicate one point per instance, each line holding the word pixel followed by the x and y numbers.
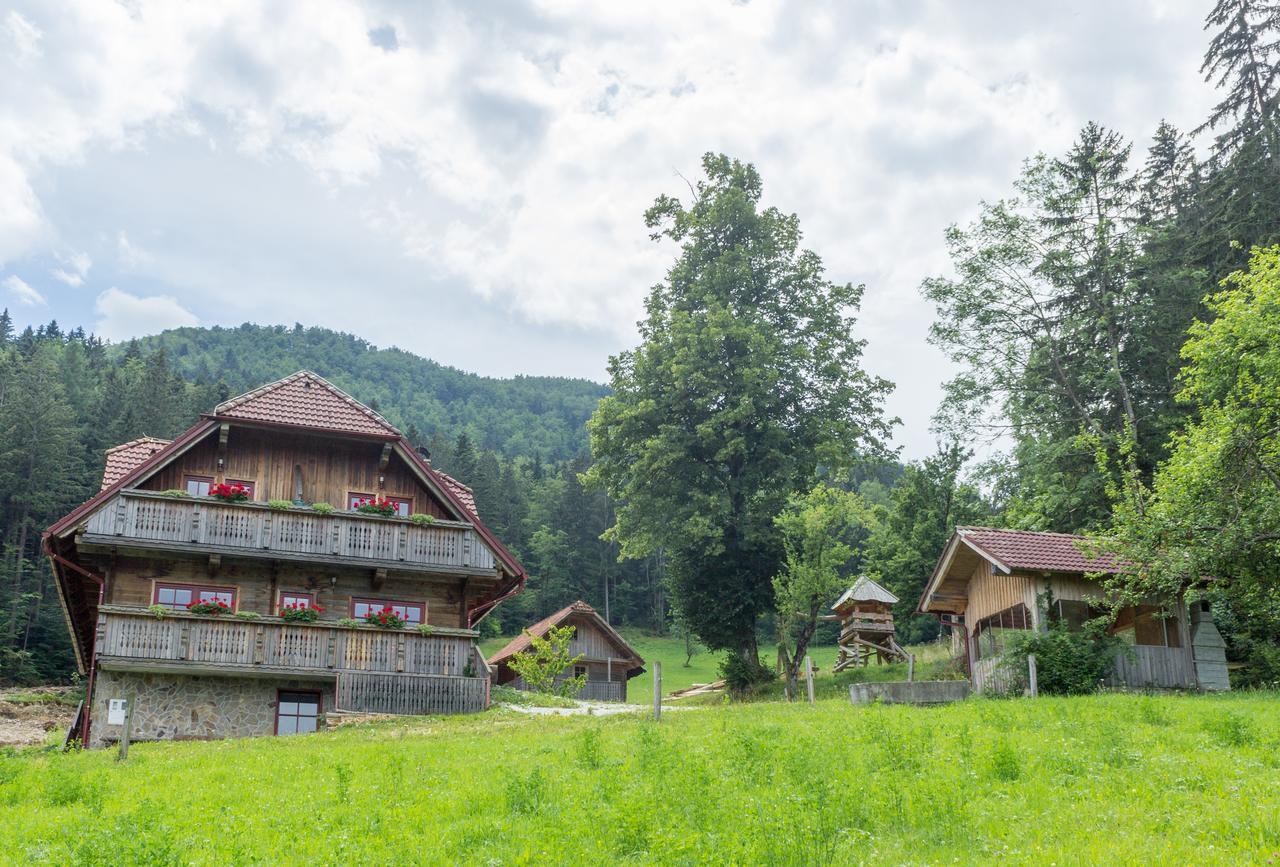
pixel 1034 551
pixel 307 400
pixel 521 642
pixel 461 491
pixel 125 458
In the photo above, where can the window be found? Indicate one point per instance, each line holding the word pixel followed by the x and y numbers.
pixel 412 612
pixel 297 712
pixel 991 633
pixel 176 597
pixel 579 671
pixel 1075 613
pixel 198 486
pixel 1148 626
pixel 290 598
pixel 248 486
pixel 404 506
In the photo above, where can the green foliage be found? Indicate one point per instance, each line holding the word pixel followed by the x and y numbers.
pixel 280 505
pixel 174 492
pixel 348 622
pixel 322 508
pixel 742 676
pixel 544 665
pixel 248 615
pixel 159 612
pixel 735 784
pixel 1067 663
pixel 746 379
pixel 426 629
pixel 820 531
pixel 422 520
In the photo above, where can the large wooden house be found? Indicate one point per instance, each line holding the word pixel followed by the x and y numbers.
pixel 606 658
pixel 183 578
pixel 989 583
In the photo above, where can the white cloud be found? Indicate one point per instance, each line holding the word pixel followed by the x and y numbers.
pixel 75 267
pixel 22 292
pixel 122 315
pixel 512 152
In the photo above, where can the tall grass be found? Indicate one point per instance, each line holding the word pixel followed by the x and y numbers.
pixel 1111 778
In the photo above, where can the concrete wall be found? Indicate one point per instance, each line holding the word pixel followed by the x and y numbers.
pixel 174 706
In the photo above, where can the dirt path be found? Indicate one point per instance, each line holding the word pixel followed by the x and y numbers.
pixel 27 720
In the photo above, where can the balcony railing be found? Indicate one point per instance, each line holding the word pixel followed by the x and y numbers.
pixel 148 519
pixel 228 642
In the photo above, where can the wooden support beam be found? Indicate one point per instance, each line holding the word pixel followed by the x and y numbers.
pixel 215 563
pixel 385 457
pixel 379 576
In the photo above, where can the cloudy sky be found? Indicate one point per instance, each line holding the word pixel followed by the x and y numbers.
pixel 466 181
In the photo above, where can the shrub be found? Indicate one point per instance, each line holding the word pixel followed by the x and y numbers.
pixel 294 613
pixel 422 520
pixel 322 508
pixel 385 618
pixel 348 622
pixel 425 629
pixel 547 659
pixel 159 612
pixel 742 676
pixel 229 493
pixel 1067 663
pixel 279 505
pixel 215 607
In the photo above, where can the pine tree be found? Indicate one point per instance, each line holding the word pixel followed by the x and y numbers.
pixel 1242 57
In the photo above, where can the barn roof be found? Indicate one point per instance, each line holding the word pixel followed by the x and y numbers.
pixel 1006 551
pixel 127 457
pixel 578 609
pixel 305 399
pixel 1034 550
pixel 865 590
pixel 461 491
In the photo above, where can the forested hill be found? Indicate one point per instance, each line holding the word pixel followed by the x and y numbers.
pixel 532 416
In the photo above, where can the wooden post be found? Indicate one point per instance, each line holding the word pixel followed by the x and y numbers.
pixel 657 691
pixel 1032 686
pixel 128 730
pixel 911 667
pixel 808 676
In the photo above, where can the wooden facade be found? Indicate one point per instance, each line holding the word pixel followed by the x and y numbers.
pixel 983 592
pixel 605 657
pixel 153 540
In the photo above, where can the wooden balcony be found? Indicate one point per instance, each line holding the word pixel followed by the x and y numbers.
pixel 376 670
pixel 147 520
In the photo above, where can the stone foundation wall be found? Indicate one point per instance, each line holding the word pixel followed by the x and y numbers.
pixel 174 706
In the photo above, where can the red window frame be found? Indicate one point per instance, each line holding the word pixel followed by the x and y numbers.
pixel 207 481
pixel 292 597
pixel 281 694
pixel 250 487
pixel 404 505
pixel 198 593
pixel 379 604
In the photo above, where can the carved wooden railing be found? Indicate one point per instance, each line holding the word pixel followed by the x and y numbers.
pixel 232 643
pixel 199 523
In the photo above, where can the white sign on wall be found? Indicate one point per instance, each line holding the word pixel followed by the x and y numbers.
pixel 115 711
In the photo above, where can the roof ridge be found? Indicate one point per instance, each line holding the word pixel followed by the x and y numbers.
pixel 233 403
pixel 137 441
pixel 961 529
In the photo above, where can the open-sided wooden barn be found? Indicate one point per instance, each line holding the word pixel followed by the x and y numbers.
pixel 288 555
pixel 989 582
pixel 607 660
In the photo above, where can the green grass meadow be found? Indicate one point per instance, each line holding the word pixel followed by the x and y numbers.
pixel 1115 779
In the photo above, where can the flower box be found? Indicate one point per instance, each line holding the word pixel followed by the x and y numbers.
pixel 294 613
pixel 229 493
pixel 376 506
pixel 386 618
pixel 209 606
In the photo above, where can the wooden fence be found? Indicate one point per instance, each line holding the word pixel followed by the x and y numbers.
pixel 593 690
pixel 368 692
pixel 253 528
pixel 1136 667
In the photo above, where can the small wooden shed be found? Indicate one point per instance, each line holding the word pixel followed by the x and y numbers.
pixel 865 612
pixel 607 660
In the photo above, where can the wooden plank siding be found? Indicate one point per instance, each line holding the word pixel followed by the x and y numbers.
pixel 410 694
pixel 132 579
pixel 331 468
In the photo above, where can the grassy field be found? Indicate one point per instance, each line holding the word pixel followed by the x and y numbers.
pixel 1117 779
pixel 705 666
